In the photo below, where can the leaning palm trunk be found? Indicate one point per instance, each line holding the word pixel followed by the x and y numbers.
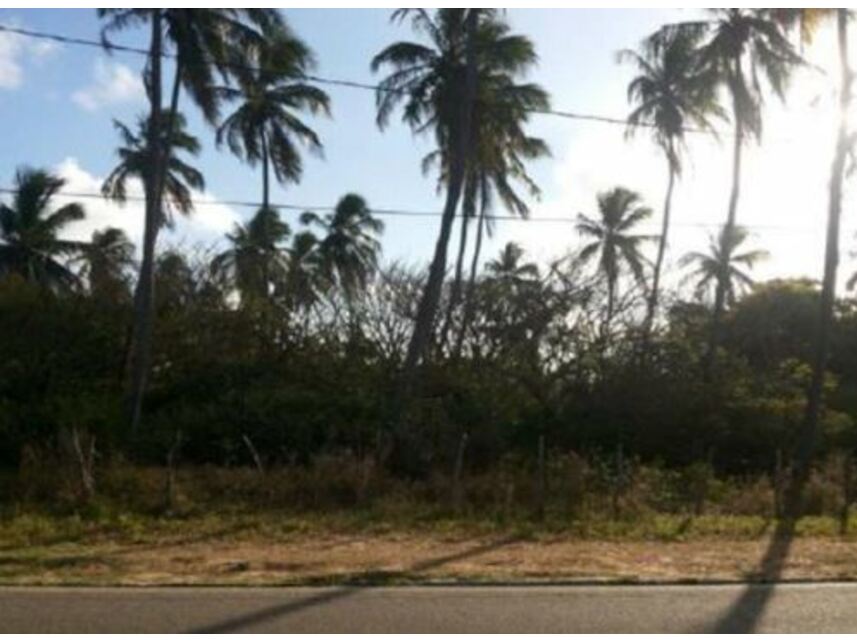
pixel 455 289
pixel 139 346
pixel 652 308
pixel 469 299
pixel 809 429
pixel 428 305
pixel 723 277
pixel 144 295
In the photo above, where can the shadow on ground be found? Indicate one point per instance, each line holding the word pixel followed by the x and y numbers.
pixel 358 583
pixel 744 615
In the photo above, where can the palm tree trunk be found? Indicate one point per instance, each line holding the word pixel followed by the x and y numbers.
pixel 662 246
pixel 455 290
pixel 611 297
pixel 723 277
pixel 467 317
pixel 139 346
pixel 265 172
pixel 431 294
pixel 809 429
pixel 144 309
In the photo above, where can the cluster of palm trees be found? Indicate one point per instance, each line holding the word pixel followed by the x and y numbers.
pixel 462 83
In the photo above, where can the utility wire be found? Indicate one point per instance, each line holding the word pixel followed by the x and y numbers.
pixel 111 46
pixel 392 212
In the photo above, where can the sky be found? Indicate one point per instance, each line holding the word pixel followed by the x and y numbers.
pixel 58 101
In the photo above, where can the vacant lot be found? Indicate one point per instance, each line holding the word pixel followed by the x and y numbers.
pixel 244 548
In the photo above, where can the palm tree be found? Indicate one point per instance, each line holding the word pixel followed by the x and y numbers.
pixel 177 279
pixel 739 47
pixel 256 262
pixel 349 249
pixel 205 43
pixel 508 269
pixel 620 210
pixel 180 179
pixel 105 261
pixel 266 126
pixel 671 93
pixel 722 259
pixel 29 230
pixel 808 20
pixel 499 152
pixel 437 86
pixel 305 277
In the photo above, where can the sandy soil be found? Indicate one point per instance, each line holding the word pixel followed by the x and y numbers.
pixel 410 557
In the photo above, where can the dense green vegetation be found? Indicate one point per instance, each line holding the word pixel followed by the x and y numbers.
pixel 296 345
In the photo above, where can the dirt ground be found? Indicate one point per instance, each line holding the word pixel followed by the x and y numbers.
pixel 414 557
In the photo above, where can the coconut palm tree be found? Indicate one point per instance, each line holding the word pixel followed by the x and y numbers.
pixel 722 259
pixel 740 47
pixel 180 179
pixel 808 20
pixel 106 260
pixel 508 269
pixel 266 126
pixel 256 261
pixel 496 168
pixel 177 279
pixel 619 211
pixel 306 281
pixel 436 85
pixel 349 248
pixel 670 94
pixel 205 43
pixel 29 231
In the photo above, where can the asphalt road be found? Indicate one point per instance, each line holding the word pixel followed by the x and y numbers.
pixel 719 608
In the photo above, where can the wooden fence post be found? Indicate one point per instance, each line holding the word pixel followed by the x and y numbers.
pixel 457 490
pixel 541 481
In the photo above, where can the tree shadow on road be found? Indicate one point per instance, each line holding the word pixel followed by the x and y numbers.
pixel 745 613
pixel 357 583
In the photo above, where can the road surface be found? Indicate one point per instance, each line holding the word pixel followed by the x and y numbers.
pixel 718 608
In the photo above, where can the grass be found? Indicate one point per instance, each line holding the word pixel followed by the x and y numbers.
pixel 312 526
pixel 234 547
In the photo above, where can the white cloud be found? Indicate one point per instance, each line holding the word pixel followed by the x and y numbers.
pixel 14 51
pixel 113 83
pixel 206 225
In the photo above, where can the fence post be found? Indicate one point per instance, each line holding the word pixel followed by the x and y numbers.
pixel 847 473
pixel 778 477
pixel 172 455
pixel 541 481
pixel 457 491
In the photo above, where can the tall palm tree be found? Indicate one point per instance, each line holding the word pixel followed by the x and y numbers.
pixel 266 126
pixel 256 261
pixel 740 47
pixel 205 43
pixel 437 85
pixel 349 248
pixel 106 260
pixel 671 93
pixel 619 211
pixel 29 230
pixel 500 149
pixel 809 20
pixel 722 259
pixel 180 178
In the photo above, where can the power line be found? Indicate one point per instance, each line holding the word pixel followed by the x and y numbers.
pixel 394 212
pixel 111 46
